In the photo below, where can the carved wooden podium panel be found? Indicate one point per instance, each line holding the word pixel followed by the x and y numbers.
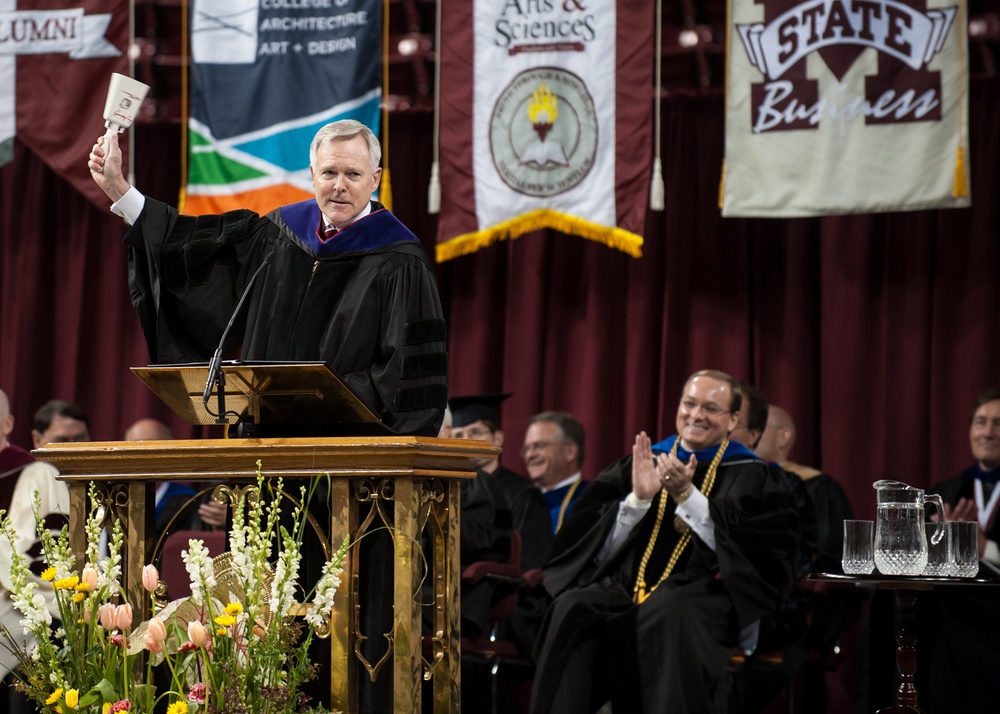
pixel 410 483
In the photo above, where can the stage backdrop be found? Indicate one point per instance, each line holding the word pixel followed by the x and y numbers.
pixel 265 78
pixel 875 332
pixel 549 125
pixel 840 107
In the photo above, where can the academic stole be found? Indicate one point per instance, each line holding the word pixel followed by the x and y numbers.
pixel 639 594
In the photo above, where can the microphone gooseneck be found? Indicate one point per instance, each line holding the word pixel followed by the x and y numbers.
pixel 215 374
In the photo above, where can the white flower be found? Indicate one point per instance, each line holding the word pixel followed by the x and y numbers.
pixel 199 567
pixel 110 568
pixel 327 587
pixel 29 603
pixel 285 575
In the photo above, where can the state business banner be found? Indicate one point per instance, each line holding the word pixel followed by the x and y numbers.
pixel 546 121
pixel 56 59
pixel 845 106
pixel 265 76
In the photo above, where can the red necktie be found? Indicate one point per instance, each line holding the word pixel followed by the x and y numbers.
pixel 329 232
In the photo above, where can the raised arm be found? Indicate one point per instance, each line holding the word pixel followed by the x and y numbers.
pixel 105 166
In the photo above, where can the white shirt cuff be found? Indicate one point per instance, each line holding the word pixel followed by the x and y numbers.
pixel 631 509
pixel 694 512
pixel 129 206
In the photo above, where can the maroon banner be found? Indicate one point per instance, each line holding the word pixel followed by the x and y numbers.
pixel 546 121
pixel 57 58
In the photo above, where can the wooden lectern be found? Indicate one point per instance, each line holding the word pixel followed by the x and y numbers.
pixel 410 483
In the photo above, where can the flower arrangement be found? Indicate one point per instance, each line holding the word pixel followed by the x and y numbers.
pixel 232 646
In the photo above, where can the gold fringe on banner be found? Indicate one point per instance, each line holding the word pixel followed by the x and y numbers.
pixel 616 238
pixel 960 188
pixel 960 185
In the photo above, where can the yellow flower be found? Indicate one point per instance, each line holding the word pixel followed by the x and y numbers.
pixel 66 583
pixel 49 574
pixel 78 597
pixel 177 708
pixel 221 632
pixel 225 620
pixel 54 697
pixel 72 698
pixel 234 608
pixel 82 587
pixel 106 708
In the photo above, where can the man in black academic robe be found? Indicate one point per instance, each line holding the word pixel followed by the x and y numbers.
pixel 476 417
pixel 648 616
pixel 346 283
pixel 961 626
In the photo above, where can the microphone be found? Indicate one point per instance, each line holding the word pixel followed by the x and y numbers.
pixel 215 373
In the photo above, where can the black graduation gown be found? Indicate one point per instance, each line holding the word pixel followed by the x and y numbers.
pixel 667 653
pixel 371 312
pixel 485 526
pixel 961 627
pixel 531 516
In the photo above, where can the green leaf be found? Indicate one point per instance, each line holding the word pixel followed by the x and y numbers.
pixel 143 695
pixel 107 690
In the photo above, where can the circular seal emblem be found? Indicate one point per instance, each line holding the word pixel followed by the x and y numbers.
pixel 543 132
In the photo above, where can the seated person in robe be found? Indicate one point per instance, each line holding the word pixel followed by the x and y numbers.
pixel 670 554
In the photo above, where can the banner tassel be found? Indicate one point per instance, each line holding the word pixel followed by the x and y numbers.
pixel 960 188
pixel 385 190
pixel 656 199
pixel 434 190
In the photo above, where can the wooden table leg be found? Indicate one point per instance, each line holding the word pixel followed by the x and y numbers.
pixel 906 656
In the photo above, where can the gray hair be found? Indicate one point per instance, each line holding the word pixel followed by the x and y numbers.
pixel 347 129
pixel 572 430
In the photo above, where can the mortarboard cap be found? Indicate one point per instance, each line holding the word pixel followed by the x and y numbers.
pixel 478 407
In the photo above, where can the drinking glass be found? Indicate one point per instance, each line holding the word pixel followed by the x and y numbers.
pixel 859 547
pixel 964 537
pixel 940 560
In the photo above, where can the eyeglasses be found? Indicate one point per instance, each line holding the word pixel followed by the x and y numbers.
pixel 536 446
pixel 475 432
pixel 709 409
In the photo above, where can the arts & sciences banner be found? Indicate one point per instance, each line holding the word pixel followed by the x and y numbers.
pixel 846 106
pixel 266 75
pixel 546 121
pixel 56 60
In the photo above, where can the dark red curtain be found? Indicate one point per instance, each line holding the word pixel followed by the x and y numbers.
pixel 875 332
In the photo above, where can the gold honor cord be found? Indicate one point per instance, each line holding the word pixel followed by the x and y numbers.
pixel 639 594
pixel 565 503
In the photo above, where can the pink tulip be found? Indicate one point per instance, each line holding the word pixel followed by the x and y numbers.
pixel 153 644
pixel 108 616
pixel 123 617
pixel 157 629
pixel 196 632
pixel 150 578
pixel 89 578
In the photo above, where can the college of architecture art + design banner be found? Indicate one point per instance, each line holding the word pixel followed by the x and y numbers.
pixel 845 106
pixel 265 76
pixel 546 121
pixel 56 61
